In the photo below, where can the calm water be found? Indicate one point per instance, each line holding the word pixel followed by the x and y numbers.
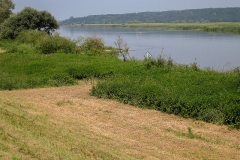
pixel 215 50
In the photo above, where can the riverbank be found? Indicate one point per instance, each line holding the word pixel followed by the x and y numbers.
pixel 159 84
pixel 229 27
pixel 47 111
pixel 68 123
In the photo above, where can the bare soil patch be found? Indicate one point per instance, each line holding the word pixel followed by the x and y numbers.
pixel 135 132
pixel 1 50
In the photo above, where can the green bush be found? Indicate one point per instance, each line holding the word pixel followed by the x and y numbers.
pixel 51 44
pixel 160 61
pixel 93 46
pixel 212 115
pixel 31 36
pixel 46 44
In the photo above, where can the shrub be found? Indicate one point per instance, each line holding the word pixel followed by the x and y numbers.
pixel 93 46
pixel 50 44
pixel 31 36
pixel 45 43
pixel 212 115
pixel 160 61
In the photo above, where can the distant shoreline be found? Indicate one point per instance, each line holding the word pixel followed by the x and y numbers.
pixel 226 27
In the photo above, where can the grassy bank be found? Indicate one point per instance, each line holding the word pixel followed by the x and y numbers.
pixel 31 70
pixel 181 90
pixel 231 27
pixel 67 123
pixel 158 84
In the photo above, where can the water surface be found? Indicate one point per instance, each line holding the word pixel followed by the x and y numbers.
pixel 219 51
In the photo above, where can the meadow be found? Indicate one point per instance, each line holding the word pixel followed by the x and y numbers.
pixel 67 123
pixel 58 100
pixel 159 84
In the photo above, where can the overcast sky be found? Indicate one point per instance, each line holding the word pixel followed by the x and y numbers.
pixel 63 9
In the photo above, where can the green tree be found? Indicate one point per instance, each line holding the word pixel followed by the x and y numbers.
pixel 6 7
pixel 28 18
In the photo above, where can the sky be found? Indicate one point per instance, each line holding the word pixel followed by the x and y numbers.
pixel 64 9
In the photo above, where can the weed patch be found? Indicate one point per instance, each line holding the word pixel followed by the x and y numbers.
pixel 189 134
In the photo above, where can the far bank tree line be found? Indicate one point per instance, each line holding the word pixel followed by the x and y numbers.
pixel 191 15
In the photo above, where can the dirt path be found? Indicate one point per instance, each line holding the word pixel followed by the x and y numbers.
pixel 138 133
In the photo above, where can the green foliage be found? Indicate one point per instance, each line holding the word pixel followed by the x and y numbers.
pixel 31 36
pixel 93 46
pixel 212 115
pixel 6 7
pixel 44 43
pixel 41 42
pixel 191 15
pixel 182 90
pixel 22 67
pixel 28 18
pixel 160 61
pixel 50 44
pixel 185 91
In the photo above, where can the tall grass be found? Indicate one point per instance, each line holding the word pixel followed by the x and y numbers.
pixel 182 90
pixel 36 70
pixel 159 84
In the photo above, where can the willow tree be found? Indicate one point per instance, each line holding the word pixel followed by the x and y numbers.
pixel 6 7
pixel 28 18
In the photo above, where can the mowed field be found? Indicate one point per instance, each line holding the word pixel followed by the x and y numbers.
pixel 68 123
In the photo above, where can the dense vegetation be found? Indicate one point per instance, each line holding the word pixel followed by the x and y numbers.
pixel 182 90
pixel 31 58
pixel 28 18
pixel 6 7
pixel 191 15
pixel 158 83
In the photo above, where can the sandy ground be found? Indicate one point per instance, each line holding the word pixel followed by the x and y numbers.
pixel 139 133
pixel 1 50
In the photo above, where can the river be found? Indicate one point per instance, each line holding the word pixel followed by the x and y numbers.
pixel 219 51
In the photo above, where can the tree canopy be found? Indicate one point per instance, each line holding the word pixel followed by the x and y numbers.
pixel 28 18
pixel 190 15
pixel 6 7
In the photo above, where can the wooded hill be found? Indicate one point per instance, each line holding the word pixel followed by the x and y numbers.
pixel 190 15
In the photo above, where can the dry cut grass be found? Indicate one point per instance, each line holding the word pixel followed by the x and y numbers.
pixel 68 123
